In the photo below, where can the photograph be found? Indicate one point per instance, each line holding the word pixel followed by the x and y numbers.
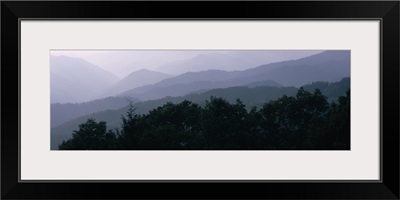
pixel 200 99
pixel 113 99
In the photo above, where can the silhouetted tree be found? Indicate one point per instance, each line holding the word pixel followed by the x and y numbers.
pixel 130 135
pixel 90 136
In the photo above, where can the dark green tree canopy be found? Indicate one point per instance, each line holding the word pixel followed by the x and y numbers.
pixel 304 121
pixel 90 136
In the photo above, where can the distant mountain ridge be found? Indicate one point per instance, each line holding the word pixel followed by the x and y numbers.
pixel 231 60
pixel 92 82
pixel 204 62
pixel 179 89
pixel 76 80
pixel 326 66
pixel 136 79
pixel 61 113
pixel 336 63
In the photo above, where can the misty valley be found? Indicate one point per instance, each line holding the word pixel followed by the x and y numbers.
pixel 200 100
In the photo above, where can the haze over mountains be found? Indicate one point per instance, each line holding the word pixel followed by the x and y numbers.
pixel 61 113
pixel 76 80
pixel 138 78
pixel 326 66
pixel 221 61
pixel 231 60
pixel 124 62
pixel 80 89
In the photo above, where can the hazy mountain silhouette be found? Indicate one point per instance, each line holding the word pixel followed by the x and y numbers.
pixel 179 85
pixel 76 80
pixel 326 66
pixel 201 62
pixel 260 57
pixel 61 113
pixel 208 80
pixel 92 82
pixel 63 90
pixel 136 79
pixel 263 83
pixel 231 60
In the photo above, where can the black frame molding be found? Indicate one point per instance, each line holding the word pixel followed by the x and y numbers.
pixel 386 11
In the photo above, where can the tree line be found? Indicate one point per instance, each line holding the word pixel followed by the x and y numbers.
pixel 306 121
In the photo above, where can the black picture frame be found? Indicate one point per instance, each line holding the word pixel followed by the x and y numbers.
pixel 386 11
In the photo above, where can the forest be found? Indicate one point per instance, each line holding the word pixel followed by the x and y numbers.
pixel 305 121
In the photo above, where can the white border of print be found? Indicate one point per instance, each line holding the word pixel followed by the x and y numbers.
pixel 360 163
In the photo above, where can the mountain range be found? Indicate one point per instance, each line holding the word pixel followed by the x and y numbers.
pixel 325 66
pixel 63 112
pixel 135 79
pixel 231 60
pixel 92 82
pixel 75 80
